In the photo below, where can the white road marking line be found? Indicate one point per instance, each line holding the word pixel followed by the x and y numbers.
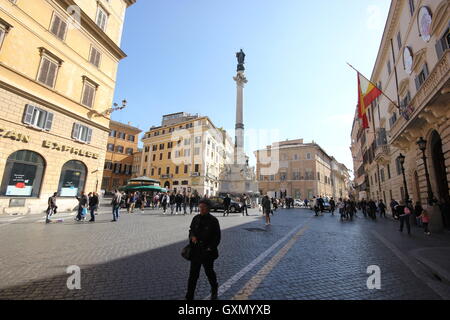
pixel 249 288
pixel 230 282
pixel 413 266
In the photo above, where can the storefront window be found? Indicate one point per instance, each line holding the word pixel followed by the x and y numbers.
pixel 23 174
pixel 73 177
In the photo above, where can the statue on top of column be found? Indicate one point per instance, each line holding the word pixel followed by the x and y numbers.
pixel 241 60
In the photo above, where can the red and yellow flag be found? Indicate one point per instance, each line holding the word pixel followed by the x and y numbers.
pixel 367 92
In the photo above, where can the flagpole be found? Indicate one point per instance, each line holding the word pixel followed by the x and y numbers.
pixel 395 104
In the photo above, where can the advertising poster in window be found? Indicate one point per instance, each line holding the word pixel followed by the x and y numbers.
pixel 21 180
pixel 70 184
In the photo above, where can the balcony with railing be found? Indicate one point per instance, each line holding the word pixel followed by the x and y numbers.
pixel 436 82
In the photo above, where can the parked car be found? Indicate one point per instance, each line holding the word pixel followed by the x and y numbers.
pixel 299 203
pixel 217 204
pixel 326 205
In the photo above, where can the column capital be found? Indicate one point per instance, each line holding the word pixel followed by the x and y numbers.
pixel 240 78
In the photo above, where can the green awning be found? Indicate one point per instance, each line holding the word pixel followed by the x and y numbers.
pixel 141 188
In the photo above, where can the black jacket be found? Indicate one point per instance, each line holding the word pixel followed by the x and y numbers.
pixel 83 201
pixel 93 201
pixel 206 229
pixel 227 201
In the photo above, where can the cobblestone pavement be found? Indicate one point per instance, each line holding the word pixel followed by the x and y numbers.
pixel 298 257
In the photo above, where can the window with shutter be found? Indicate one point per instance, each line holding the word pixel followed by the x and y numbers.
pixel 102 18
pixel 45 65
pixel 81 133
pixel 411 7
pixel 89 135
pixel 439 48
pixel 48 121
pixel 399 41
pixel 39 117
pixel 47 72
pixel 422 77
pixel 2 35
pixel 75 130
pixel 59 27
pixel 88 95
pixel 95 57
pixel 28 115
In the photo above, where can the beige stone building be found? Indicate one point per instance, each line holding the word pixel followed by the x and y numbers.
pixel 58 65
pixel 412 68
pixel 121 148
pixel 300 170
pixel 186 153
pixel 136 166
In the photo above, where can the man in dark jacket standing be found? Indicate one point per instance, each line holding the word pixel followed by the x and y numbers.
pixel 178 202
pixel 204 235
pixel 372 209
pixel 332 206
pixel 382 208
pixel 93 205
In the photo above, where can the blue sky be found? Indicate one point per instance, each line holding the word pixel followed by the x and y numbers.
pixel 181 57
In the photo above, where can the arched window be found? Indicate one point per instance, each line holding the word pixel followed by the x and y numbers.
pixel 23 174
pixel 73 178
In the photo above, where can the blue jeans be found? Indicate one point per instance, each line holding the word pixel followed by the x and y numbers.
pixel 115 212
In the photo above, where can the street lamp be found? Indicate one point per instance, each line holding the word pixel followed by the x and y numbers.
pixel 423 146
pixel 115 108
pixel 401 160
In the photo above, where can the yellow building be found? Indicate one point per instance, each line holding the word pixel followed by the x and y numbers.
pixel 58 66
pixel 300 170
pixel 186 153
pixel 413 69
pixel 136 168
pixel 122 146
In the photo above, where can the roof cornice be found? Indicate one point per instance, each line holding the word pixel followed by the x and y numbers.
pixel 130 2
pixel 92 27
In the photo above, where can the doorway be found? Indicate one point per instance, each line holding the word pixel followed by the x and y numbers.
pixel 440 172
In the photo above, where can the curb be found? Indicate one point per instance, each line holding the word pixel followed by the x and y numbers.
pixel 435 269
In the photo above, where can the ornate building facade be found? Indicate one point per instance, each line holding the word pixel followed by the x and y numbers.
pixel 300 170
pixel 58 66
pixel 186 153
pixel 121 148
pixel 410 131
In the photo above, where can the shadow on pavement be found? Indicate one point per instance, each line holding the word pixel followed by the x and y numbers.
pixel 157 274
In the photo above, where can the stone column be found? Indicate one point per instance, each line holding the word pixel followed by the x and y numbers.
pixel 239 154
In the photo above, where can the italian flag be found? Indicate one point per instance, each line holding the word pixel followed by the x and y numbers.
pixel 367 92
